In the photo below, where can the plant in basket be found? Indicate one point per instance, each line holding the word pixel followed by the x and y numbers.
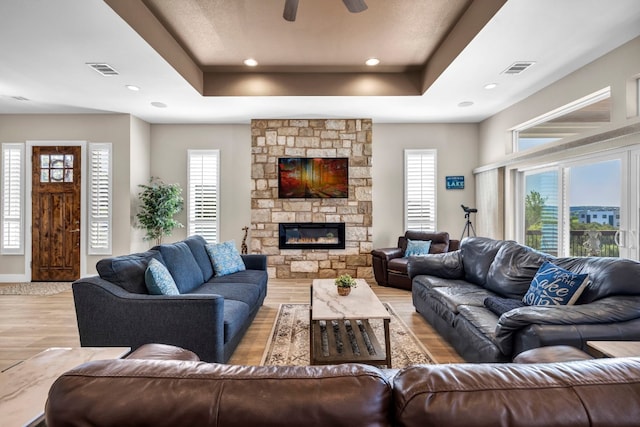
pixel 344 283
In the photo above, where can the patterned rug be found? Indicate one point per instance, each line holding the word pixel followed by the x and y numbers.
pixel 289 340
pixel 34 288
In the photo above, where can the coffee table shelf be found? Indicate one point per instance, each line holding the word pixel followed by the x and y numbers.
pixel 340 329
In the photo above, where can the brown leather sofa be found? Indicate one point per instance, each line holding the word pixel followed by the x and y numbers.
pixel 390 264
pixel 163 386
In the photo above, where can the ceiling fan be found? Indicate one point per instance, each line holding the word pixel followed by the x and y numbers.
pixel 291 8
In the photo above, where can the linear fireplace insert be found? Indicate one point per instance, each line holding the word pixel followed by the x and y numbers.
pixel 312 235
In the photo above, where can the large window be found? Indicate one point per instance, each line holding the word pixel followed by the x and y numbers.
pixel 574 208
pixel 203 199
pixel 570 120
pixel 420 190
pixel 12 199
pixel 99 199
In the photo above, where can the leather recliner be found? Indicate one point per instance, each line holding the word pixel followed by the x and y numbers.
pixel 390 264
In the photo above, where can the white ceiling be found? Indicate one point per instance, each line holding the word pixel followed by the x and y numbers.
pixel 44 45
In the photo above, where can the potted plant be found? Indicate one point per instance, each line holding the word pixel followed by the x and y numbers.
pixel 344 283
pixel 159 203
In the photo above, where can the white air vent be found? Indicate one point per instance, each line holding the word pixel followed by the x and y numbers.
pixel 518 67
pixel 104 69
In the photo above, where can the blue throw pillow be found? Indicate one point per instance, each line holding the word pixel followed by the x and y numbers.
pixel 158 279
pixel 225 258
pixel 553 285
pixel 417 247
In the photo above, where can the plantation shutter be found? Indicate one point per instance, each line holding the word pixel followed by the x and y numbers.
pixel 204 168
pixel 420 190
pixel 99 199
pixel 12 199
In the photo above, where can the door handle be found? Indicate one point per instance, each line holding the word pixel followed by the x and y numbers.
pixel 77 230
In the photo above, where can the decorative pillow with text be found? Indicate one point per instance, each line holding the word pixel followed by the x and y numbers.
pixel 553 285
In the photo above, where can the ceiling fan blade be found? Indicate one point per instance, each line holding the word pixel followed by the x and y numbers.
pixel 290 10
pixel 355 6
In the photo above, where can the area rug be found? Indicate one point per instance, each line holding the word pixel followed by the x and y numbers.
pixel 34 288
pixel 289 340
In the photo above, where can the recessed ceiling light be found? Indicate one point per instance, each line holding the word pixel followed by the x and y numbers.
pixel 491 86
pixel 133 88
pixel 159 104
pixel 465 104
pixel 250 62
pixel 372 62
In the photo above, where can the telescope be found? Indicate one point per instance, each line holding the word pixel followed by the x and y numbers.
pixel 467 209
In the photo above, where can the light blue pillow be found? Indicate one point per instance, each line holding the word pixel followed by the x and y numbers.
pixel 417 247
pixel 553 285
pixel 158 279
pixel 225 258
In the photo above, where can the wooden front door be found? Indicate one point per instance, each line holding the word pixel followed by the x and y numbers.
pixel 56 214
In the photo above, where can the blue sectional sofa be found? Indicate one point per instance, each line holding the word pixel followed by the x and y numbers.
pixel 209 316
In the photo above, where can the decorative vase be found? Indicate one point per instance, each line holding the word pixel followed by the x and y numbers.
pixel 344 291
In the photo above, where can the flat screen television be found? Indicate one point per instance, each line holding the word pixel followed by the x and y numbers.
pixel 313 177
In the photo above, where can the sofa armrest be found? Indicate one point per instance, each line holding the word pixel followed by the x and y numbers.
pixel 387 253
pixel 447 265
pixel 255 261
pixel 106 316
pixel 568 323
pixel 162 352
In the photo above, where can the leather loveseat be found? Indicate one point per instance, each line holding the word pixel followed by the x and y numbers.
pixel 163 386
pixel 451 292
pixel 209 316
pixel 390 264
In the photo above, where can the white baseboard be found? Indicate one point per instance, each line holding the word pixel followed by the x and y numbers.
pixel 13 278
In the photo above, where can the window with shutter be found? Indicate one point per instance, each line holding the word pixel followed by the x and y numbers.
pixel 202 204
pixel 420 190
pixel 12 199
pixel 99 227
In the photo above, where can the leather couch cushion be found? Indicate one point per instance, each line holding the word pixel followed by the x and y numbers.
pixel 160 393
pixel 513 269
pixel 182 265
pixel 608 276
pixel 477 255
pixel 127 271
pixel 555 394
pixel 447 265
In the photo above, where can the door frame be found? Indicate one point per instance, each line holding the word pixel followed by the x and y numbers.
pixel 28 223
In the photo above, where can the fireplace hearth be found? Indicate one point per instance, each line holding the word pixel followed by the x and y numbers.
pixel 311 235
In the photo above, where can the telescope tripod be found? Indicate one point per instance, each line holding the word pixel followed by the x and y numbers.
pixel 468 227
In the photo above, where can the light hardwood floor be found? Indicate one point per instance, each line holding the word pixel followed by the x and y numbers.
pixel 30 324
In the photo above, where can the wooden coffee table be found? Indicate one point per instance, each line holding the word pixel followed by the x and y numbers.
pixel 24 387
pixel 613 348
pixel 340 329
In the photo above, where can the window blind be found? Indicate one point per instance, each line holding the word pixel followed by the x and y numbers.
pixel 99 199
pixel 420 190
pixel 12 199
pixel 203 199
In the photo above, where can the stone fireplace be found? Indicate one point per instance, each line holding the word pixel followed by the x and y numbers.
pixel 347 138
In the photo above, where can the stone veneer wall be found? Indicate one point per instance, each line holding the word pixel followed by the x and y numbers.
pixel 271 139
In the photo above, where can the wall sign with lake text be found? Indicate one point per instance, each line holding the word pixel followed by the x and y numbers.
pixel 455 182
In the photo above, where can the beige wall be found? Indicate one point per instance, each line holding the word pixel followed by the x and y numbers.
pixel 457 155
pixel 169 145
pixel 618 69
pixel 139 173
